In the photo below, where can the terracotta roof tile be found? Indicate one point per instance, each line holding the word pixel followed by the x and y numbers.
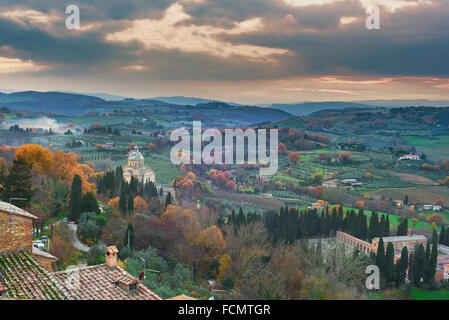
pixel 25 278
pixel 99 283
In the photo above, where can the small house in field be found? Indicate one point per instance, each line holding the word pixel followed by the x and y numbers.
pixel 330 184
pixel 436 208
pixel 411 156
pixel 427 207
pixel 399 203
pixel 266 195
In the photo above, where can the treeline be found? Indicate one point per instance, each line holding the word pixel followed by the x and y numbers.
pixel 240 218
pixel 291 224
pixel 101 130
pixel 112 184
pixel 420 264
pixel 444 236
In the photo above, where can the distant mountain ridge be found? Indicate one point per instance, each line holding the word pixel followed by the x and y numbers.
pixel 190 100
pixel 74 104
pixel 307 108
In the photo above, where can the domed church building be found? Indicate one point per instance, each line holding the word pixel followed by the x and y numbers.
pixel 136 168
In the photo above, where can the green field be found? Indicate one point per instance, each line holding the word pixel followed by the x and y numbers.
pixel 435 148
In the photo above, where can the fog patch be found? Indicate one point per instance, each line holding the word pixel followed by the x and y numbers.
pixel 44 123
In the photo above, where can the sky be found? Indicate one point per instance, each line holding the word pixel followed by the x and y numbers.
pixel 246 51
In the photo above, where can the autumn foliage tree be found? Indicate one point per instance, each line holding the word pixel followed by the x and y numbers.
pixel 140 204
pixel 294 157
pixel 39 158
pixel 282 149
pixel 344 157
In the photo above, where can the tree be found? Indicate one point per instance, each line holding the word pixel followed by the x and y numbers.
pixel 294 157
pixel 388 268
pixel 433 262
pixel 89 203
pixel 129 236
pixel 344 157
pixel 401 267
pixel 380 257
pixel 38 157
pixel 168 200
pixel 402 228
pixel 122 202
pixel 419 265
pixel 140 204
pixel 114 202
pixel 406 199
pixel 130 206
pixel 282 149
pixel 75 198
pixel 18 183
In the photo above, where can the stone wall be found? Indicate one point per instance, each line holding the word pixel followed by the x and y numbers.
pixel 16 232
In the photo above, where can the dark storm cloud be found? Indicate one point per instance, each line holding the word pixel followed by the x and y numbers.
pixel 413 40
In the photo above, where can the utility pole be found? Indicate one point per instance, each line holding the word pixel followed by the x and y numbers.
pixel 10 208
pixel 144 267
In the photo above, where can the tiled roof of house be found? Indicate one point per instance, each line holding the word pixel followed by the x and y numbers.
pixel 7 208
pixel 100 283
pixel 25 278
pixel 38 252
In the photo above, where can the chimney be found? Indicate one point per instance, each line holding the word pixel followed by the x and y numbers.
pixel 409 232
pixel 127 283
pixel 111 256
pixel 3 291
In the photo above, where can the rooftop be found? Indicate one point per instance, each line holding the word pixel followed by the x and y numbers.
pixel 25 278
pixel 135 155
pixel 402 238
pixel 8 208
pixel 100 283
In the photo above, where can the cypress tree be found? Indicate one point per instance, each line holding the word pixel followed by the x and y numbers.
pixel 122 202
pixel 168 199
pixel 401 267
pixel 129 236
pixel 380 257
pixel 89 203
pixel 419 265
pixel 435 236
pixel 402 228
pixel 387 227
pixel 442 236
pixel 75 198
pixel 433 262
pixel 372 229
pixel 130 204
pixel 389 264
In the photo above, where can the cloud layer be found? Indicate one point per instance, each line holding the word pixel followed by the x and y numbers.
pixel 203 47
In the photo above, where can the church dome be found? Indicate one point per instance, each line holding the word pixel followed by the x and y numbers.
pixel 135 155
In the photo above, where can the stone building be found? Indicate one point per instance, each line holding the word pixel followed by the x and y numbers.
pixel 26 272
pixel 400 242
pixel 16 233
pixel 136 168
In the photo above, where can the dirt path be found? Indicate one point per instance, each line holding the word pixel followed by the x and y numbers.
pixel 75 241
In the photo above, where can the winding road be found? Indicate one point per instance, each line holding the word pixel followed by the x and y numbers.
pixel 75 241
